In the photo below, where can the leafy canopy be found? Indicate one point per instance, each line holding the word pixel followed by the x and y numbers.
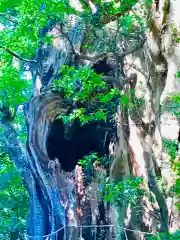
pixel 22 22
pixel 83 87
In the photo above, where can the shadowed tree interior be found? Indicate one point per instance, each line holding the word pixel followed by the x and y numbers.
pixel 91 137
pixel 80 140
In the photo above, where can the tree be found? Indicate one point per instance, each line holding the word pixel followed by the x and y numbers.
pixel 83 98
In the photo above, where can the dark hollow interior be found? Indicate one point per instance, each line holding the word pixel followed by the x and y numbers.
pixel 91 137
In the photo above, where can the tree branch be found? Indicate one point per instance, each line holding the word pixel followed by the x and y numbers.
pixel 103 55
pixel 66 36
pixel 91 58
pixel 77 54
pixel 139 70
pixel 134 48
pixel 119 83
pixel 16 55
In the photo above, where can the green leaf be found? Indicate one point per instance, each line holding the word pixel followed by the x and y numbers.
pixel 100 115
pixel 108 198
pixel 178 74
pixel 125 100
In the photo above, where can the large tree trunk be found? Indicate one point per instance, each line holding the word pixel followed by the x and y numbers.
pixel 153 65
pixel 66 205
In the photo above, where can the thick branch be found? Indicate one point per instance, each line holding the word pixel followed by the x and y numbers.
pixel 103 55
pixel 16 55
pixel 119 83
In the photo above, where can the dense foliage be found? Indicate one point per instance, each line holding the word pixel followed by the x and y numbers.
pixel 83 92
pixel 13 201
